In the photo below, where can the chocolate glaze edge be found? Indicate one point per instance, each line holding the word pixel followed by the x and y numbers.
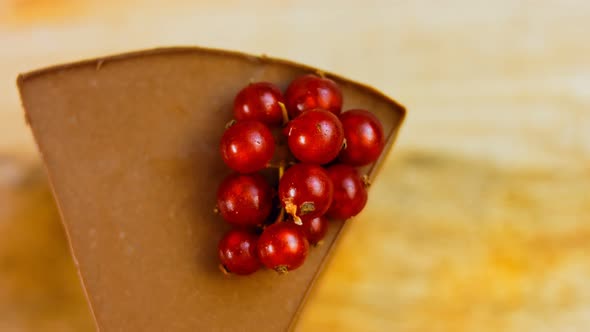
pixel 103 61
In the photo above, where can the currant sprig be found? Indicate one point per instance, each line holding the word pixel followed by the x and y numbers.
pixel 317 178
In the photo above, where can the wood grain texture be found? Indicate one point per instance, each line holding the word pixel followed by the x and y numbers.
pixel 479 221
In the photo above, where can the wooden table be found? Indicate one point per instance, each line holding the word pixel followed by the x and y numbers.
pixel 478 222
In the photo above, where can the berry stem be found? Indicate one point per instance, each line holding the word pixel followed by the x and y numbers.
pixel 224 269
pixel 230 123
pixel 281 169
pixel 366 181
pixel 281 216
pixel 285 113
pixel 280 164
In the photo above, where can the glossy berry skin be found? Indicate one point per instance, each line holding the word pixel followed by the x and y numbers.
pixel 315 137
pixel 259 101
pixel 364 137
pixel 307 188
pixel 238 252
pixel 310 91
pixel 315 229
pixel 350 194
pixel 247 146
pixel 244 200
pixel 283 247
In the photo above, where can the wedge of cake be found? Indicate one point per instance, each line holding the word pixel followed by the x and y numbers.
pixel 131 147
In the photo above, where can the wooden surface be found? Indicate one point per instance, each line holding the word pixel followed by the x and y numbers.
pixel 480 218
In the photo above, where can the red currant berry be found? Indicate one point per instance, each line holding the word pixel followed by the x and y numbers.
pixel 259 101
pixel 350 194
pixel 244 200
pixel 305 190
pixel 238 252
pixel 247 146
pixel 315 229
pixel 283 247
pixel 315 137
pixel 309 92
pixel 364 137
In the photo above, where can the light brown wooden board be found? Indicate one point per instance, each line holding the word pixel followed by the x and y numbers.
pixel 131 147
pixel 498 93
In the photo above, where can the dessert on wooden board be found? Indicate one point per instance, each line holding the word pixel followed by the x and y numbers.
pixel 131 146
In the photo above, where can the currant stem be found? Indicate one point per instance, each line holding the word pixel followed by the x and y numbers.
pixel 224 269
pixel 230 123
pixel 366 181
pixel 285 113
pixel 281 169
pixel 278 166
pixel 281 216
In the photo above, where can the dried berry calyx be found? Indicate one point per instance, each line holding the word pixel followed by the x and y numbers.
pixel 307 207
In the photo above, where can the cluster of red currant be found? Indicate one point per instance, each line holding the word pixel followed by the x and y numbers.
pixel 317 175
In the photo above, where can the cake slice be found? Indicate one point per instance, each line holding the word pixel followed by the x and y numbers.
pixel 130 143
